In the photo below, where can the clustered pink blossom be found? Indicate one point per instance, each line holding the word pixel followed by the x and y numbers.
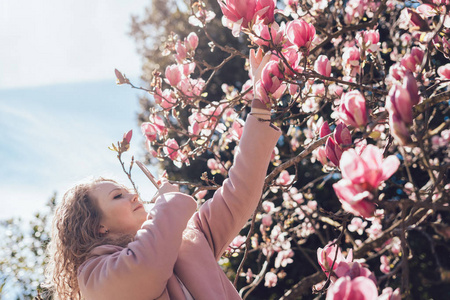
pixel 352 109
pixel 335 144
pixel 399 103
pixel 300 33
pixel 361 176
pixel 238 14
pixel 271 83
pixel 350 279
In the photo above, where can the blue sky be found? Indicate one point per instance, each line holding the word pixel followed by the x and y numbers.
pixel 59 106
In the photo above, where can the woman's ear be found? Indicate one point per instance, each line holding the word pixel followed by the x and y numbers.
pixel 103 230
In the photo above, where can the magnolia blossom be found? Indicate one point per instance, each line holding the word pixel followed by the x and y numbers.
pixel 345 288
pixel 270 279
pixel 166 99
pixel 352 110
pixel 271 83
pixel 300 33
pixel 350 61
pixel 444 72
pixel 399 105
pixel 361 176
pixel 333 151
pixel 369 40
pixel 369 168
pixel 238 14
pixel 191 41
pixel 284 257
pixel 265 33
pixel 389 294
pixel 385 264
pixel 285 178
pixel 173 75
pixel 329 254
pixel 353 270
pixel 323 66
pixel 149 130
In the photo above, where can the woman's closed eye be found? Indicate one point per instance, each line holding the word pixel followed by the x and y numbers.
pixel 118 196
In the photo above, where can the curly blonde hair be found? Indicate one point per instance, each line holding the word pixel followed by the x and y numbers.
pixel 75 233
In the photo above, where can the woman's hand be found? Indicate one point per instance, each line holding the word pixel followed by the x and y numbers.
pixel 165 187
pixel 257 64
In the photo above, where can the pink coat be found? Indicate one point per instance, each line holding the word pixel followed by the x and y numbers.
pixel 178 242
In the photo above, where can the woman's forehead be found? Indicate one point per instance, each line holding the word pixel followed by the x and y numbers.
pixel 107 186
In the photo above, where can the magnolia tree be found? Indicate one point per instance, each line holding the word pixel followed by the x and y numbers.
pixel 356 200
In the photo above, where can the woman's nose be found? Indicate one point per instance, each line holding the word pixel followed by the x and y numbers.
pixel 134 197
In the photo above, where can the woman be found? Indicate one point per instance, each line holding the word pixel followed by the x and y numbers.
pixel 106 246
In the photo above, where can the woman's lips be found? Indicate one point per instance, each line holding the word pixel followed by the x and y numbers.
pixel 139 207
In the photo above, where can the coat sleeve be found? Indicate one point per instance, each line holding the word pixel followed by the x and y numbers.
pixel 222 217
pixel 142 270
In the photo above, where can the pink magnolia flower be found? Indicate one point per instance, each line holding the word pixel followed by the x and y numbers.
pixel 354 198
pixel 171 149
pixel 191 41
pixel 399 103
pixel 215 166
pixel 266 220
pixel 384 264
pixel 410 84
pixel 342 135
pixel 236 129
pixel 345 288
pixel 361 176
pixel 201 17
pixel 399 129
pixel 352 110
pixel 350 60
pixel 368 169
pixel 268 206
pixel 238 11
pixel 324 129
pixel 265 33
pixel 353 270
pixel 284 258
pixel 389 294
pixel 358 225
pixel 149 130
pixel 396 71
pixel 270 279
pixel 333 151
pixel 369 40
pixel 188 69
pixel 158 122
pixel 321 155
pixel 238 241
pixel 293 57
pixel 329 254
pixel 265 10
pixel 173 75
pixel 239 14
pixel 300 33
pixel 181 52
pixel 413 60
pixel 285 178
pixel 165 98
pixel 323 66
pixel 271 83
pixel 444 72
pixel 127 136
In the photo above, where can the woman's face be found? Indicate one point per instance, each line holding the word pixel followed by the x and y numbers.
pixel 121 211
